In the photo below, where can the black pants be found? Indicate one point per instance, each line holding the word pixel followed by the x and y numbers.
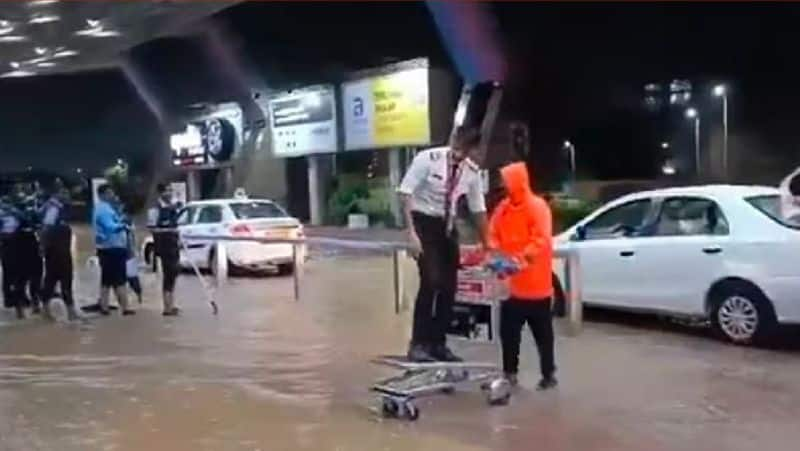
pixel 57 270
pixel 166 248
pixel 515 313
pixel 32 266
pixel 135 285
pixel 9 265
pixel 438 272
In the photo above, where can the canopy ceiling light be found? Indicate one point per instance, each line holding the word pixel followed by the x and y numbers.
pixel 18 73
pixel 38 19
pixel 13 38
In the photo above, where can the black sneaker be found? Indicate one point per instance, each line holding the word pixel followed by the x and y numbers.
pixel 547 383
pixel 419 353
pixel 128 312
pixel 175 311
pixel 443 354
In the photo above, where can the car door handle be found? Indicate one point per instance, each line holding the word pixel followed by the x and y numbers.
pixel 627 253
pixel 712 250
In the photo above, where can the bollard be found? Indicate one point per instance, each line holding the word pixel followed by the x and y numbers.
pixel 575 301
pixel 220 263
pixel 296 270
pixel 398 258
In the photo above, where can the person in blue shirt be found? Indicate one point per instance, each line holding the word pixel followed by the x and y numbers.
pixel 111 241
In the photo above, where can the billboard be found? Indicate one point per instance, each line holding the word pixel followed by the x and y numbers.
pixel 387 110
pixel 303 122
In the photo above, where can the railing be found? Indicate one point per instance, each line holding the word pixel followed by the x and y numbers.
pixel 571 282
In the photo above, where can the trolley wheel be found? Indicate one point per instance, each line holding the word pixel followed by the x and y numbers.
pixel 498 392
pixel 389 408
pixel 410 411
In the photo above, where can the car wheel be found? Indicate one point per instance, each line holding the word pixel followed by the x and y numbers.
pixel 742 314
pixel 559 299
pixel 286 269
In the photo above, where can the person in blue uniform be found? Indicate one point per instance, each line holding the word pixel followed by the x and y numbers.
pixel 56 237
pixel 9 223
pixel 162 219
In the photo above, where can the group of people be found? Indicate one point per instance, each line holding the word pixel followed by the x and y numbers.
pixel 36 250
pixel 520 228
pixel 115 248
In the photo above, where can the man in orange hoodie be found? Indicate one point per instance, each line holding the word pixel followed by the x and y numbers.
pixel 521 229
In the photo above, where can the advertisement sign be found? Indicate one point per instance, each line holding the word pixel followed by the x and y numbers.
pixel 387 110
pixel 303 122
pixel 187 146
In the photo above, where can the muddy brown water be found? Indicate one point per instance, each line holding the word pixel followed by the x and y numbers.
pixel 269 373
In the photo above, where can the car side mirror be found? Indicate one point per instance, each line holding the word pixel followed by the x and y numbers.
pixel 580 233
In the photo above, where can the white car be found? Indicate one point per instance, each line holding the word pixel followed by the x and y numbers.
pixel 237 217
pixel 722 253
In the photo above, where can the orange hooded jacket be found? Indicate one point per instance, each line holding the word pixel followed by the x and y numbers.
pixel 521 227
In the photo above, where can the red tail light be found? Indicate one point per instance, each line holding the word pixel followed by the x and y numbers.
pixel 241 230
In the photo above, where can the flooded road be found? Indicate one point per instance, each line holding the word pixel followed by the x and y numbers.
pixel 272 374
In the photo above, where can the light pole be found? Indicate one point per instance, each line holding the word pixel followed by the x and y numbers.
pixel 692 113
pixel 720 91
pixel 571 151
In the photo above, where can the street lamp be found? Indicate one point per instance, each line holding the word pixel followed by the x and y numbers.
pixel 665 145
pixel 692 113
pixel 571 151
pixel 721 91
pixel 668 169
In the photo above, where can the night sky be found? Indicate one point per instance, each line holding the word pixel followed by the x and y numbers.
pixel 577 72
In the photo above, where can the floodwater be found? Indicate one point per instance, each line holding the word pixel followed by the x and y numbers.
pixel 270 373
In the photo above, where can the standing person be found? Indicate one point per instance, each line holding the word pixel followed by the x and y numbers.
pixel 11 270
pixel 430 191
pixel 163 219
pixel 521 229
pixel 790 198
pixel 56 237
pixel 132 266
pixel 112 250
pixel 29 255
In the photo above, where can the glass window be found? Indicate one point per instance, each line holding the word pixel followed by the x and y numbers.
pixel 210 215
pixel 256 210
pixel 687 216
pixel 770 205
pixel 186 216
pixel 624 220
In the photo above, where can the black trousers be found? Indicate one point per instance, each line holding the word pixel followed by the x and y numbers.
pixel 538 315
pixel 26 268
pixel 9 266
pixel 58 270
pixel 167 249
pixel 438 272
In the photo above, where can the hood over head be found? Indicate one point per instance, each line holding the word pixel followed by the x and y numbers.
pixel 517 181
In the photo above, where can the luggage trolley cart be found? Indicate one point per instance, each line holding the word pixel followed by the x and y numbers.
pixel 476 317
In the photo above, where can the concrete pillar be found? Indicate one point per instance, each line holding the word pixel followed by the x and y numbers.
pixel 315 185
pixel 227 181
pixel 193 185
pixel 395 174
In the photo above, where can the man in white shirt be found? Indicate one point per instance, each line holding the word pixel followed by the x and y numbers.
pixel 790 197
pixel 430 191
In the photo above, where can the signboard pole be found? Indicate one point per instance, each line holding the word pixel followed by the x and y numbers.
pixel 314 195
pixel 395 171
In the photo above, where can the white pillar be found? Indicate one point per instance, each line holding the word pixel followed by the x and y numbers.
pixel 314 190
pixel 395 174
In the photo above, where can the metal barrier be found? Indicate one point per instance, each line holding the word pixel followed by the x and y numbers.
pixel 571 257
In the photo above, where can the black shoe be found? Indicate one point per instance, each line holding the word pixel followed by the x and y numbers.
pixel 175 311
pixel 419 353
pixel 443 354
pixel 128 312
pixel 547 383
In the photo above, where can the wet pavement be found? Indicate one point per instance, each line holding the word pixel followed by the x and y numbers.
pixel 270 373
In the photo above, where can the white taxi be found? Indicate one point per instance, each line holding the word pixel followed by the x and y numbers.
pixel 721 253
pixel 236 217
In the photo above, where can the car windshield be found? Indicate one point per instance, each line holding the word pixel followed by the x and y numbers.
pixel 770 205
pixel 257 210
